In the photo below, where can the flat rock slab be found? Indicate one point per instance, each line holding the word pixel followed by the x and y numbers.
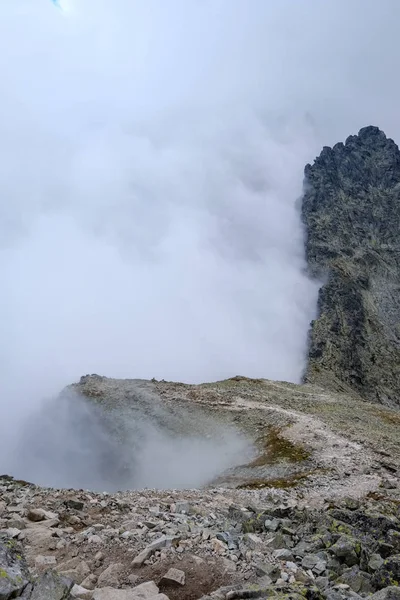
pixel 144 591
pixel 174 577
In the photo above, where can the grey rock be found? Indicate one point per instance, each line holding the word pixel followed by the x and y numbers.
pixel 74 503
pixel 173 577
pixel 271 524
pixel 111 576
pixel 388 593
pixel 145 591
pixel 75 569
pixel 51 586
pixel 345 550
pixel 388 574
pixel 268 569
pixel 375 562
pixel 81 593
pixel 89 582
pixel 14 574
pixel 253 541
pixel 162 542
pixel 301 549
pixel 356 579
pixel 36 514
pixel 283 554
pixel 183 507
pixel 45 561
pixel 351 210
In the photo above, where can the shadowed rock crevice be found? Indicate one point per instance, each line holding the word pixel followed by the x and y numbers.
pixel 351 210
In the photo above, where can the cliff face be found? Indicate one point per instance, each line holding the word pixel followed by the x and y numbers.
pixel 351 210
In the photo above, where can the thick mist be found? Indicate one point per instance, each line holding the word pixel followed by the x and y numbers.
pixel 151 163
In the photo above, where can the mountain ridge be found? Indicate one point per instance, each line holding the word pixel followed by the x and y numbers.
pixel 351 212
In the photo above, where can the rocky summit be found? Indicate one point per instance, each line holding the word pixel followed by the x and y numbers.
pixel 351 211
pixel 299 493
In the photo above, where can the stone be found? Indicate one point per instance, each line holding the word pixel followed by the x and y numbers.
pixel 345 550
pixel 357 580
pixel 375 562
pixel 36 536
pixel 315 563
pixel 12 532
pixel 271 524
pixel 144 591
pixel 182 507
pixel 35 514
pixel 14 574
pixel 45 561
pixel 16 523
pixel 95 539
pixel 390 483
pixel 218 546
pixel 81 592
pixel 74 503
pixel 111 576
pixel 89 582
pixel 388 573
pixel 75 569
pixel 283 554
pixel 173 577
pixel 3 508
pixel 253 541
pixel 388 593
pixel 51 586
pixel 268 569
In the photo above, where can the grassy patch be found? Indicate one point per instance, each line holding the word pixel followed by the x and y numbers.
pixel 278 448
pixel 393 418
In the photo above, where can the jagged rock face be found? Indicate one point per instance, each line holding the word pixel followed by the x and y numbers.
pixel 351 210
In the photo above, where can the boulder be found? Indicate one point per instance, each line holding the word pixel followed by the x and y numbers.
pixel 14 574
pixel 51 586
pixel 145 591
pixel 388 573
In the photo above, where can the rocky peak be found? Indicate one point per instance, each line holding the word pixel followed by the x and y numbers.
pixel 351 210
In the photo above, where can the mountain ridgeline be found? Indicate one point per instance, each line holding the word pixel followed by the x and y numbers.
pixel 351 211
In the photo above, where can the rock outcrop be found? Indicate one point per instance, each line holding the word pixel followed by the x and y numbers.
pixel 351 210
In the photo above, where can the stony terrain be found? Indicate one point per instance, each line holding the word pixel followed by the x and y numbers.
pixel 314 513
pixel 351 211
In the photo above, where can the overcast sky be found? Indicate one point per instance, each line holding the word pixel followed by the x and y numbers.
pixel 151 156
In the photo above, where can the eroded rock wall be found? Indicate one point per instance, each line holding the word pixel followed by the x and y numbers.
pixel 351 211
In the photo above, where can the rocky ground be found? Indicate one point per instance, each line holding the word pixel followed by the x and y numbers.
pixel 314 513
pixel 187 545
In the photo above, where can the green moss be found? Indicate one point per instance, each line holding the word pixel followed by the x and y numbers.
pixel 4 574
pixel 336 527
pixel 278 448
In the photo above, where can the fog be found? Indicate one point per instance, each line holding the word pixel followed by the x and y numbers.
pixel 151 165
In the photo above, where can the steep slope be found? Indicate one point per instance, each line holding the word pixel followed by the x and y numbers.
pixel 351 210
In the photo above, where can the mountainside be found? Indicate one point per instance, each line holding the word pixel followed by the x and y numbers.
pixel 313 514
pixel 296 488
pixel 351 210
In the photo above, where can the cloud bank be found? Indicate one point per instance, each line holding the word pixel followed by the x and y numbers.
pixel 151 157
